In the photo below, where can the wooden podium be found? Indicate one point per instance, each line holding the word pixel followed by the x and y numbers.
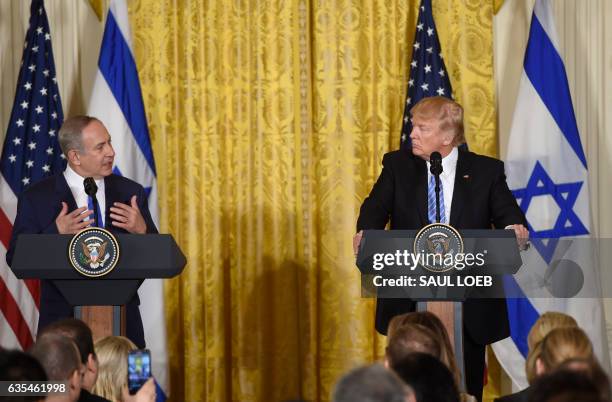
pixel 141 257
pixel 500 254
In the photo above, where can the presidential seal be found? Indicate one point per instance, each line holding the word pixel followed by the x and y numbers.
pixel 437 246
pixel 93 252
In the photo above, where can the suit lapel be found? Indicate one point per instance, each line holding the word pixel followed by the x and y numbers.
pixel 111 197
pixel 63 192
pixel 420 189
pixel 460 191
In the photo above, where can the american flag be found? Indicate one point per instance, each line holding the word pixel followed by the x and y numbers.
pixel 31 152
pixel 428 76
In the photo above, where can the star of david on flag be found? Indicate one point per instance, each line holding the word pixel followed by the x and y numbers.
pixel 561 195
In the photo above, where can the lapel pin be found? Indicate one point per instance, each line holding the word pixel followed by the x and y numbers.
pixel 466 176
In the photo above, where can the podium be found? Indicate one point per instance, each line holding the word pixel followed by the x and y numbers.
pixel 382 254
pixel 44 256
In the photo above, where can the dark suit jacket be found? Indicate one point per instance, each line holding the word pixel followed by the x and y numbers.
pixel 521 396
pixel 481 199
pixel 87 396
pixel 37 209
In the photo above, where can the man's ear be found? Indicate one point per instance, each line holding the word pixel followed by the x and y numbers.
pixel 540 368
pixel 73 157
pixel 92 363
pixel 74 382
pixel 449 137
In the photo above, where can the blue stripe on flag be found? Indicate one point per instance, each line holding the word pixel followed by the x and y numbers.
pixel 546 71
pixel 521 315
pixel 119 69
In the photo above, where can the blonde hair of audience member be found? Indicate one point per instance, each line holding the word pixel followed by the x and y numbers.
pixel 542 327
pixel 562 344
pixel 431 321
pixel 410 338
pixel 546 323
pixel 112 353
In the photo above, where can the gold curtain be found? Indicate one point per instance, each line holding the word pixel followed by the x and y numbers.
pixel 269 120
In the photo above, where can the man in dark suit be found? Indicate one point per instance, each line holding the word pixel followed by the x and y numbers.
pixel 475 195
pixel 59 204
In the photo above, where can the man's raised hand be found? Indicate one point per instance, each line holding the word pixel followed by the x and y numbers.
pixel 70 223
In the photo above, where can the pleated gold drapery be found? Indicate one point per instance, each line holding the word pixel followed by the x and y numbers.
pixel 269 120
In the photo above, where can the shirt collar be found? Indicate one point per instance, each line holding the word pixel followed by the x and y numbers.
pixel 449 162
pixel 75 180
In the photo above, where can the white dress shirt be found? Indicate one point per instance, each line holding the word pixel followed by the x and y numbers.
pixel 75 182
pixel 447 179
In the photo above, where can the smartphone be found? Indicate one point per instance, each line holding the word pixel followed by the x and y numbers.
pixel 139 369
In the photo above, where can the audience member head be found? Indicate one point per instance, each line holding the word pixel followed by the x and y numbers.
pixel 81 335
pixel 112 353
pixel 564 386
pixel 431 321
pixel 428 378
pixel 560 345
pixel 15 366
pixel 592 370
pixel 61 360
pixel 410 338
pixel 546 323
pixel 371 383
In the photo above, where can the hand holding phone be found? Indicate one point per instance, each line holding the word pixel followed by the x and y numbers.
pixel 139 369
pixel 146 394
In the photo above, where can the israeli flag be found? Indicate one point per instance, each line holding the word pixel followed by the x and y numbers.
pixel 547 172
pixel 117 101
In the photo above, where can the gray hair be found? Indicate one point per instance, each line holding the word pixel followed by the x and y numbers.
pixel 372 383
pixel 58 355
pixel 70 133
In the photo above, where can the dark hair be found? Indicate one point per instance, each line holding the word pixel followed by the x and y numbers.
pixel 58 355
pixel 429 378
pixel 564 386
pixel 431 321
pixel 593 371
pixel 76 330
pixel 16 365
pixel 410 338
pixel 372 383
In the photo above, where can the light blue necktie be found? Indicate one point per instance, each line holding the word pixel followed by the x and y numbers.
pixel 90 206
pixel 431 201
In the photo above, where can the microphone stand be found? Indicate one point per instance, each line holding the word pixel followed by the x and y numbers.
pixel 437 188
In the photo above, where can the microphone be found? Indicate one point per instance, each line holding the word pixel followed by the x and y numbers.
pixel 435 162
pixel 91 189
pixel 435 167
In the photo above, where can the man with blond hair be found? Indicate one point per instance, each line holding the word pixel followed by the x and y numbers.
pixel 473 195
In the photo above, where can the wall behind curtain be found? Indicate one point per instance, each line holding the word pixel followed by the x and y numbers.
pixel 269 120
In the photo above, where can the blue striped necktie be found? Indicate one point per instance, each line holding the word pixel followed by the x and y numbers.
pixel 431 201
pixel 90 206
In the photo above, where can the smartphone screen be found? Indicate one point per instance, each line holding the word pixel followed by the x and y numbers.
pixel 139 369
